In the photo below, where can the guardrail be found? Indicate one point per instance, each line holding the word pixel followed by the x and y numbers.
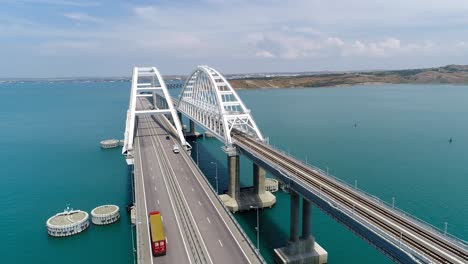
pixel 400 212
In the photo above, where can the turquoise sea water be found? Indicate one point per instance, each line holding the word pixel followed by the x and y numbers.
pixel 50 156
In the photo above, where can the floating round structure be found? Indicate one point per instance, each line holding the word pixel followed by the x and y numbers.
pixel 271 185
pixel 110 143
pixel 105 214
pixel 209 134
pixel 67 223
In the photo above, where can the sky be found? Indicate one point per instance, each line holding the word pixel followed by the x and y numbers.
pixel 71 38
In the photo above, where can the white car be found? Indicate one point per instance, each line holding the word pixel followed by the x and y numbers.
pixel 175 148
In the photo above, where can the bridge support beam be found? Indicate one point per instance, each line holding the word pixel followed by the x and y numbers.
pixel 234 177
pixel 259 179
pixel 303 249
pixel 192 127
pixel 306 219
pixel 179 114
pixel 264 197
pixel 294 223
pixel 248 198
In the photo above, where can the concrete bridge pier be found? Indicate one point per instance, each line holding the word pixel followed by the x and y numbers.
pixel 264 198
pixel 230 199
pixel 242 200
pixel 304 249
pixel 191 133
pixel 191 127
pixel 179 115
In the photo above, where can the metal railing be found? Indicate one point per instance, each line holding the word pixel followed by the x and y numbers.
pixel 452 238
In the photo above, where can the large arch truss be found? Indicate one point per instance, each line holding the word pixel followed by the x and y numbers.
pixel 148 83
pixel 208 99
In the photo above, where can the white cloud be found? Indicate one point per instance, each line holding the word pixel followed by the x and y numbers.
pixel 81 17
pixel 241 34
pixel 264 54
pixel 60 2
pixel 70 47
pixel 383 48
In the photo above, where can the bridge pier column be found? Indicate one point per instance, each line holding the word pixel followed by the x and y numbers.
pixel 234 179
pixel 306 218
pixel 294 223
pixel 179 115
pixel 259 179
pixel 303 250
pixel 192 127
pixel 155 100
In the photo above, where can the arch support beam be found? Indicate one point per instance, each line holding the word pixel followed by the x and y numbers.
pixel 209 100
pixel 147 82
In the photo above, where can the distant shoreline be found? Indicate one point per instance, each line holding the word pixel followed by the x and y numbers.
pixel 451 74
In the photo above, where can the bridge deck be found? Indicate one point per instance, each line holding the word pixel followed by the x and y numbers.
pixel 197 226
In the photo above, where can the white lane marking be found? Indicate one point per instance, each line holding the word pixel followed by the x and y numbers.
pixel 158 201
pixel 185 202
pixel 151 168
pixel 195 170
pixel 162 219
pixel 220 243
pixel 144 193
pixel 208 220
pixel 155 188
pixel 199 203
pixel 173 206
pixel 167 241
pixel 193 190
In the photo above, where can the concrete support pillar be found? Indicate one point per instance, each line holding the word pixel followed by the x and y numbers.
pixel 192 127
pixel 259 179
pixel 179 115
pixel 306 218
pixel 234 179
pixel 155 98
pixel 294 224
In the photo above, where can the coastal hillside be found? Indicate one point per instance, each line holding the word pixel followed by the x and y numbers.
pixel 450 74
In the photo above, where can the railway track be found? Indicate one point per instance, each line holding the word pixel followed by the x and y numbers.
pixel 377 215
pixel 197 247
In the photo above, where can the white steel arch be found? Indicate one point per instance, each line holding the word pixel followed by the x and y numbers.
pixel 147 82
pixel 208 99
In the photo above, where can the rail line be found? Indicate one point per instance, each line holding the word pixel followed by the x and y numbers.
pixel 309 176
pixel 196 244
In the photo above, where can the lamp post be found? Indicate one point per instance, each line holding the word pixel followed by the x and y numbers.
pixel 197 151
pixel 257 227
pixel 216 176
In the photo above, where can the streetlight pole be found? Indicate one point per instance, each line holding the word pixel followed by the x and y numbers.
pixel 257 227
pixel 197 151
pixel 216 176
